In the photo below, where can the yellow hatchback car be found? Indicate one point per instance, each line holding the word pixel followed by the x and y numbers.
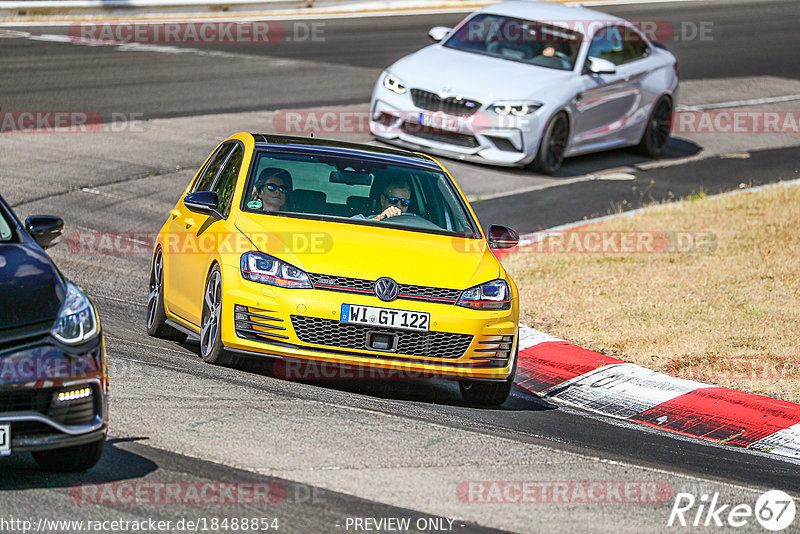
pixel 330 253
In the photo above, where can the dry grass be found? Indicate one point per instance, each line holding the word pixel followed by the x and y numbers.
pixel 729 317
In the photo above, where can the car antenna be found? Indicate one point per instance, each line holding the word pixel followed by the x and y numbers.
pixel 312 135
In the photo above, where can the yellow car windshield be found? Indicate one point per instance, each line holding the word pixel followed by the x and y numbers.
pixel 360 191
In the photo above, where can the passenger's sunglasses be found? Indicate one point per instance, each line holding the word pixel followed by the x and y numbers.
pixel 275 187
pixel 405 202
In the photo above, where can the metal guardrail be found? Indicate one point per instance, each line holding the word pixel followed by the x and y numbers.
pixel 69 4
pixel 31 8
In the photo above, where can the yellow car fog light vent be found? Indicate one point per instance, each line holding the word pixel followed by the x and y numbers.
pixel 75 394
pixel 253 323
pixel 493 351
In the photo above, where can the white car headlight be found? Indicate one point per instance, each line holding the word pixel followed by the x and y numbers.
pixel 77 320
pixel 393 84
pixel 259 267
pixel 494 295
pixel 514 108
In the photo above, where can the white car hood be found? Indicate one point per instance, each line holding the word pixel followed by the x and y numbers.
pixel 474 76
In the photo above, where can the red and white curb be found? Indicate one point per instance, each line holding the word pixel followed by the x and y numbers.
pixel 556 369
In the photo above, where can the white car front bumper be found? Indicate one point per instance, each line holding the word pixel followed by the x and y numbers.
pixel 482 137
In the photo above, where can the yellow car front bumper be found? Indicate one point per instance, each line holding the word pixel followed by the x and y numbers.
pixel 303 324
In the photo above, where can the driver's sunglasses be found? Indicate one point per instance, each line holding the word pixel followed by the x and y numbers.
pixel 405 202
pixel 275 187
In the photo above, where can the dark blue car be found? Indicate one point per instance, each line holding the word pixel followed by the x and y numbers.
pixel 53 370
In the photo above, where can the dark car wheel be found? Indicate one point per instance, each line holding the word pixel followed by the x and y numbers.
pixel 656 135
pixel 488 393
pixel 553 146
pixel 156 316
pixel 71 459
pixel 211 348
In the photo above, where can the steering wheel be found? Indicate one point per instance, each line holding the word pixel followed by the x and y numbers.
pixel 414 220
pixel 564 58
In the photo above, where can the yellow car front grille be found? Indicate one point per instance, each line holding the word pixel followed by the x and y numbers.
pixel 333 333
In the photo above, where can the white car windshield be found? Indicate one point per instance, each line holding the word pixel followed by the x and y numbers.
pixel 358 191
pixel 524 41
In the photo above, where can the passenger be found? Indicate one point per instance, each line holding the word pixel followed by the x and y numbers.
pixel 271 190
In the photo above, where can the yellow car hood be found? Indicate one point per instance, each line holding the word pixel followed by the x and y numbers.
pixel 369 252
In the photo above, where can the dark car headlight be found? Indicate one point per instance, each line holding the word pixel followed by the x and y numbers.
pixel 494 295
pixel 263 268
pixel 77 320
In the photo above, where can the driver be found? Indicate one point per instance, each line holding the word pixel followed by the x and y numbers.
pixel 395 200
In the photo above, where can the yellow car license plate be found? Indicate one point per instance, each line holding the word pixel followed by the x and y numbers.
pixel 388 317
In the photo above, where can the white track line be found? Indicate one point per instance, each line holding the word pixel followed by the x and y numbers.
pixel 360 10
pixel 739 103
pixel 164 49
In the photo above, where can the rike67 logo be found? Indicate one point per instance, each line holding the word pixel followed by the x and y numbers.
pixel 774 510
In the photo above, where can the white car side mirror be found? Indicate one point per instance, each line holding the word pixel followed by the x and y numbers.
pixel 438 33
pixel 598 65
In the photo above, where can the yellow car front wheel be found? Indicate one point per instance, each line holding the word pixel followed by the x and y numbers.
pixel 211 348
pixel 489 393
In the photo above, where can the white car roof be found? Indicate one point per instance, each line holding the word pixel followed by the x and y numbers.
pixel 548 11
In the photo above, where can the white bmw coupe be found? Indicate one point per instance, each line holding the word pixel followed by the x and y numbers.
pixel 521 83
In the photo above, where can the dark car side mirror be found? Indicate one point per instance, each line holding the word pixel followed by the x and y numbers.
pixel 46 230
pixel 205 202
pixel 502 237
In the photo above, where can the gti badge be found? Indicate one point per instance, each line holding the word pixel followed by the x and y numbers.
pixel 386 289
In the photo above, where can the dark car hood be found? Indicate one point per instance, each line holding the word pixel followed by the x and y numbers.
pixel 31 289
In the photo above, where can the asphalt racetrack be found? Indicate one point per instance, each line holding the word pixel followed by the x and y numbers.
pixel 333 452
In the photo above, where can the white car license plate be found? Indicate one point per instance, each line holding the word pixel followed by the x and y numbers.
pixel 439 121
pixel 5 440
pixel 372 316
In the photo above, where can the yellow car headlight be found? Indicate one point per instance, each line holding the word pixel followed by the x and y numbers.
pixel 263 268
pixel 494 295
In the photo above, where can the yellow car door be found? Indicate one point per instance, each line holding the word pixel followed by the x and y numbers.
pixel 185 259
pixel 215 231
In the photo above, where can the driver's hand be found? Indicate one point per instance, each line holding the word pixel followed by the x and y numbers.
pixel 391 211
